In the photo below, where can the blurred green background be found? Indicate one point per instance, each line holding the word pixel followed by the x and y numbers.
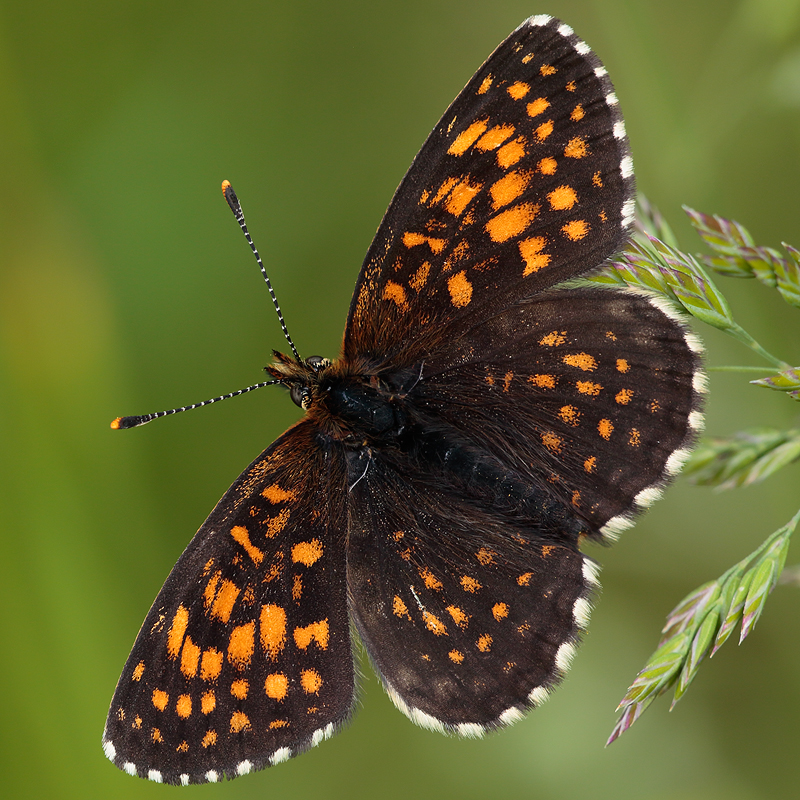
pixel 126 287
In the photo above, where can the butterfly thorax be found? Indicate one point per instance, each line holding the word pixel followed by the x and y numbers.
pixel 349 402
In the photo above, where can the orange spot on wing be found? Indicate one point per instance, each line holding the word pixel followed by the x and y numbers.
pixel 605 428
pixel 430 580
pixel 190 658
pixel 484 643
pixel 397 294
pixel 241 535
pixel 576 148
pixel 307 553
pixel 459 617
pixel 622 365
pixel 311 681
pixel 467 138
pixel 411 239
pixel 272 630
pixel 138 671
pixel 184 706
pixel 518 90
pixel 208 702
pixel 209 739
pixel 399 607
pixel 509 154
pixel 623 396
pixel 239 689
pixel 531 252
pixel 635 438
pixel 239 722
pixel 547 166
pixel 553 339
pixel 546 69
pixel 211 664
pixel 552 442
pixel 544 130
pixel 589 464
pixel 485 556
pixel 577 113
pixel 486 84
pixel 469 584
pixel 160 699
pixel 224 600
pixel 274 494
pixel 509 188
pixel 562 198
pixel 460 289
pixel 461 196
pixel 499 611
pixel 276 686
pixel 434 624
pixel 315 632
pixel 277 523
pixel 582 361
pixel 538 106
pixel 543 381
pixel 576 229
pixel 589 387
pixel 418 280
pixel 441 193
pixel 241 644
pixel 493 138
pixel 455 656
pixel 511 222
pixel 177 630
pixel 570 415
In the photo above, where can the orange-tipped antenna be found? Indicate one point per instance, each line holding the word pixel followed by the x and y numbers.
pixel 233 202
pixel 121 423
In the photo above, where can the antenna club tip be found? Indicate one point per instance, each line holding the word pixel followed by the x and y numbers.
pixel 123 423
pixel 230 198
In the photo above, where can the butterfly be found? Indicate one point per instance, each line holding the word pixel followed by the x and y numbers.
pixel 480 423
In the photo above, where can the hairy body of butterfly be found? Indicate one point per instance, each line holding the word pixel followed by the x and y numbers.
pixel 479 424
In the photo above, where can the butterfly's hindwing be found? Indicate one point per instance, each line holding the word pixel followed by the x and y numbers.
pixel 245 657
pixel 525 181
pixel 468 617
pixel 592 395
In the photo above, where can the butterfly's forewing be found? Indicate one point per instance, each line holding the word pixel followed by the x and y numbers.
pixel 592 395
pixel 245 657
pixel 525 181
pixel 469 615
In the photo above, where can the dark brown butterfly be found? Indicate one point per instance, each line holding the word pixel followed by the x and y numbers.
pixel 478 425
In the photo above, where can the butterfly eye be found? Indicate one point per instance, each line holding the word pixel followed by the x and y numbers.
pixel 301 396
pixel 318 363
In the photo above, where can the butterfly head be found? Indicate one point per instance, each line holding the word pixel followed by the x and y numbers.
pixel 299 377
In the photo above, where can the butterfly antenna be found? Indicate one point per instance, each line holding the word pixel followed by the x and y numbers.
pixel 121 423
pixel 233 202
